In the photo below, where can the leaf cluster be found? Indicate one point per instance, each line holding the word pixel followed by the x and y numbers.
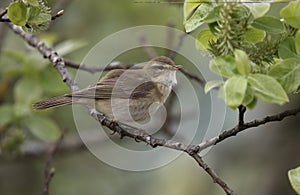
pixel 32 15
pixel 34 80
pixel 257 54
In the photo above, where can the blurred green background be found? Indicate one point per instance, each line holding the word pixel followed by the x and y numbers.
pixel 254 162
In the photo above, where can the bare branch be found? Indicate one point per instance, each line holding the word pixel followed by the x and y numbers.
pixel 90 69
pixel 173 53
pixel 148 50
pixel 57 15
pixel 193 77
pixel 239 128
pixel 57 61
pixel 242 110
pixel 212 174
pixel 50 171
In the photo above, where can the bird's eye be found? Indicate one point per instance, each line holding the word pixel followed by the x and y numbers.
pixel 160 67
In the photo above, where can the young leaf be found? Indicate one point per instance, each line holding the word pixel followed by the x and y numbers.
pixel 287 73
pixel 214 15
pixel 27 90
pixel 212 84
pixel 267 89
pixel 254 35
pixel 203 38
pixel 189 7
pixel 43 128
pixel 294 177
pixel 197 18
pixel 268 24
pixel 257 9
pixel 235 89
pixel 17 13
pixel 224 66
pixel 242 62
pixel 249 96
pixel 252 104
pixel 291 14
pixel 34 3
pixel 287 49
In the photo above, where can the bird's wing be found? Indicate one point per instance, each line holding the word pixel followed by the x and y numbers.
pixel 118 84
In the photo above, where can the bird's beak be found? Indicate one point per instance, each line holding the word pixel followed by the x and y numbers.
pixel 176 67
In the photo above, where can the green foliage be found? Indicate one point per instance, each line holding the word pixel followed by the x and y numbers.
pixel 32 15
pixel 291 14
pixel 235 90
pixel 287 73
pixel 268 24
pixel 32 78
pixel 43 128
pixel 294 177
pixel 257 54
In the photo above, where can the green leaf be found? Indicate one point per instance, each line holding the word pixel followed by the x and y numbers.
pixel 252 104
pixel 249 96
pixel 189 7
pixel 43 128
pixel 287 73
pixel 213 15
pixel 297 42
pixel 291 14
pixel 203 38
pixel 17 13
pixel 254 35
pixel 269 24
pixel 197 18
pixel 212 84
pixel 6 114
pixel 287 49
pixel 294 177
pixel 257 9
pixel 37 16
pixel 224 66
pixel 235 89
pixel 267 89
pixel 242 62
pixel 27 90
pixel 34 3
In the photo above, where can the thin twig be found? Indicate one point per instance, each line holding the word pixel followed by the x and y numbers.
pixel 57 15
pixel 50 171
pixel 173 53
pixel 3 12
pixel 239 128
pixel 212 174
pixel 148 50
pixel 94 69
pixel 202 82
pixel 242 110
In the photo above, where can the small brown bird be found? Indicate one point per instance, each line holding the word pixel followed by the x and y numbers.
pixel 124 95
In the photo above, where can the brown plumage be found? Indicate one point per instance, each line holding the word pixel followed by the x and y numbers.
pixel 124 95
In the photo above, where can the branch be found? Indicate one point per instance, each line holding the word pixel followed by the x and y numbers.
pixel 242 110
pixel 50 171
pixel 239 128
pixel 56 60
pixel 90 69
pixel 212 174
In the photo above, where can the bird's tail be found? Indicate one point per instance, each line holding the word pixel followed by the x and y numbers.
pixel 52 102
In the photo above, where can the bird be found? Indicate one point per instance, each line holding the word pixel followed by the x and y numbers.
pixel 125 95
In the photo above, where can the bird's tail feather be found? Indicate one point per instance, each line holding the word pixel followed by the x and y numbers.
pixel 52 102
